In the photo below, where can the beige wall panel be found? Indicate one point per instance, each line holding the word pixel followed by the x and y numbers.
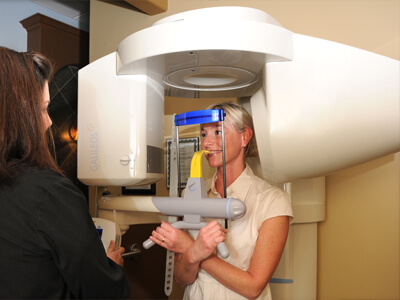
pixel 358 244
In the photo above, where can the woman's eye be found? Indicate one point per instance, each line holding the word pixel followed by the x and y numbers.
pixel 217 132
pixel 203 135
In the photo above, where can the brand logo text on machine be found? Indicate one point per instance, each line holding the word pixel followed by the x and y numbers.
pixel 94 149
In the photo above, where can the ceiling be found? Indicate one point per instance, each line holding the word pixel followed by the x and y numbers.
pixel 75 9
pixel 79 10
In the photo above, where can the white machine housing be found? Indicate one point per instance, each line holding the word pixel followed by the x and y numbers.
pixel 318 106
pixel 120 125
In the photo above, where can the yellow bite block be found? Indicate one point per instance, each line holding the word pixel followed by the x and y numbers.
pixel 195 167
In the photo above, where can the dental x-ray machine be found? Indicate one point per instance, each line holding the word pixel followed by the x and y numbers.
pixel 318 107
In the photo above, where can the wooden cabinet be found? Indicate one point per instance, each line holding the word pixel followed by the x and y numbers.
pixel 61 43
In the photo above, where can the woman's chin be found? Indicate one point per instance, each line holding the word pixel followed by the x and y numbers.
pixel 214 164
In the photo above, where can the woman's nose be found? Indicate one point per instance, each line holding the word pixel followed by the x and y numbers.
pixel 208 141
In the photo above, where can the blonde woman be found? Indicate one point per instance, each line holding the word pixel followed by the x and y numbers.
pixel 255 242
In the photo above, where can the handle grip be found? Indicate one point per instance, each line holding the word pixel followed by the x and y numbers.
pixel 223 250
pixel 221 247
pixel 147 244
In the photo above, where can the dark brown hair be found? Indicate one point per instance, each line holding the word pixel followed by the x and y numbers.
pixel 23 142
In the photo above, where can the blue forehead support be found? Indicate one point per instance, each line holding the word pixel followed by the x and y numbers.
pixel 199 117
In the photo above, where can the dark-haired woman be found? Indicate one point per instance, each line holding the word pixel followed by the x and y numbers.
pixel 49 247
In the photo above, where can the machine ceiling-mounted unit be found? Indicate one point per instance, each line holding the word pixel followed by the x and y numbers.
pixel 318 106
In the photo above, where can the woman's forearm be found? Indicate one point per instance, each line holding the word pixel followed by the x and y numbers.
pixel 205 244
pixel 239 281
pixel 185 270
pixel 266 256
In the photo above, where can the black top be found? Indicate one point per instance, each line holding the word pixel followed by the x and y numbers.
pixel 49 247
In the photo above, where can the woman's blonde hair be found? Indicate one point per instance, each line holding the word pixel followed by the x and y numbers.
pixel 240 119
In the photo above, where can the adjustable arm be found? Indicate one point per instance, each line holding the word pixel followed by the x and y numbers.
pixel 222 249
pixel 196 205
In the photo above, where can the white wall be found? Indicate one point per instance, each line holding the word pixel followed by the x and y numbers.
pixel 12 34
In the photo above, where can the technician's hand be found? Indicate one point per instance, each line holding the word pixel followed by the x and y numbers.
pixel 171 238
pixel 116 255
pixel 206 242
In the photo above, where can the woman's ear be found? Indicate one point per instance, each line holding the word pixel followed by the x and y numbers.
pixel 247 134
